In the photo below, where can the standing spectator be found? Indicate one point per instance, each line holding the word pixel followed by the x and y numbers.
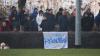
pixel 15 24
pixel 33 17
pixel 21 17
pixel 63 21
pixel 44 24
pixel 34 14
pixel 97 21
pixel 34 26
pixel 50 21
pixel 59 13
pixel 46 13
pixel 87 21
pixel 13 11
pixel 39 19
pixel 72 21
pixel 28 24
pixel 13 19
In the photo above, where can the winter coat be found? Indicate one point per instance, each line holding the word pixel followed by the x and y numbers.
pixel 97 19
pixel 63 23
pixel 87 21
pixel 50 22
pixel 44 25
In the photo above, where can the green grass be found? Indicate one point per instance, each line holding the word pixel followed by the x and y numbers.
pixel 43 52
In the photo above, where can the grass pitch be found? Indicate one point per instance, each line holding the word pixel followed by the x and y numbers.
pixel 43 52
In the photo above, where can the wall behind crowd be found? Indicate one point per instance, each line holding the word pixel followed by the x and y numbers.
pixel 35 39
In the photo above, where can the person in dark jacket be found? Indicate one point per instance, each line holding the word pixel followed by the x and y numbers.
pixel 44 24
pixel 72 22
pixel 46 13
pixel 59 13
pixel 35 13
pixel 33 18
pixel 63 21
pixel 15 24
pixel 28 24
pixel 97 21
pixel 21 17
pixel 87 21
pixel 13 11
pixel 50 21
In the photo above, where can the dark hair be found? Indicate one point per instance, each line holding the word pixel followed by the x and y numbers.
pixel 99 12
pixel 35 9
pixel 50 9
pixel 60 9
pixel 47 9
pixel 13 7
pixel 40 12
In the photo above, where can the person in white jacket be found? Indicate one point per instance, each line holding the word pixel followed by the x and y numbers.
pixel 39 19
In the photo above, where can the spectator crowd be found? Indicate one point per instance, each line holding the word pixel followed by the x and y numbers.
pixel 22 20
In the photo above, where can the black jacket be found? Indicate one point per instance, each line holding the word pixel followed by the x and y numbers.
pixel 87 21
pixel 63 23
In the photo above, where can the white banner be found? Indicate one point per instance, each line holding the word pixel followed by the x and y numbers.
pixel 55 40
